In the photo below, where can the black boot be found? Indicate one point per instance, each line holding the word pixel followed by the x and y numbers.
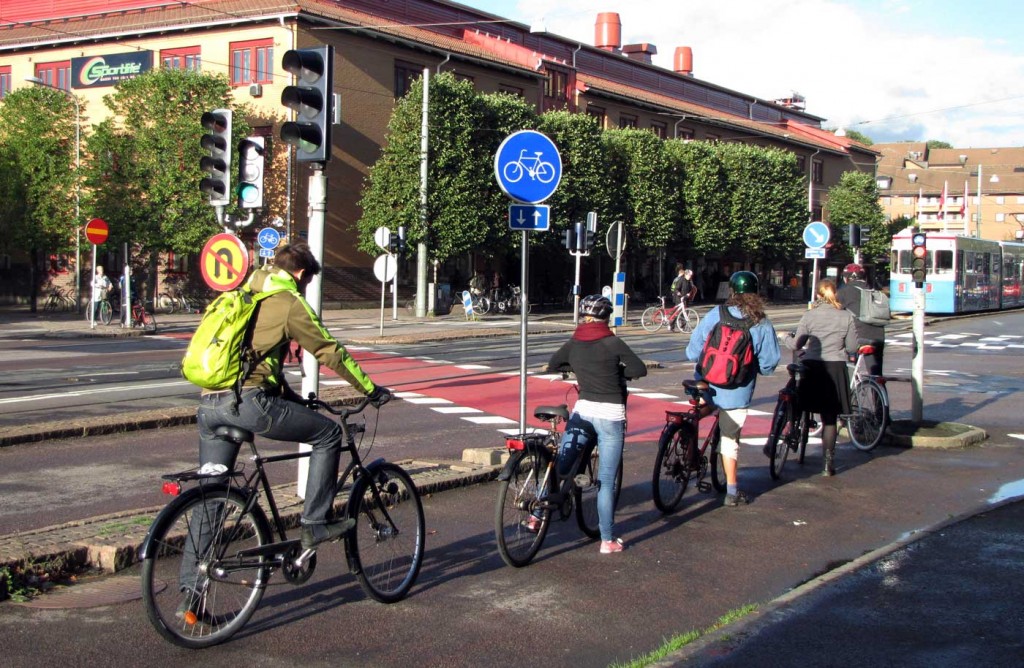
pixel 830 462
pixel 828 438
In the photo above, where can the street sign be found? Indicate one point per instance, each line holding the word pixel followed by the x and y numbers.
pixel 619 300
pixel 528 166
pixel 266 252
pixel 268 238
pixel 814 253
pixel 529 217
pixel 224 262
pixel 382 237
pixel 385 267
pixel 816 235
pixel 96 231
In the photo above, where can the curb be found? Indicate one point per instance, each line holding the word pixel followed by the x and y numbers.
pixel 966 435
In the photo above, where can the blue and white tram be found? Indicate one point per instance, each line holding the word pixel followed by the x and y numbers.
pixel 964 274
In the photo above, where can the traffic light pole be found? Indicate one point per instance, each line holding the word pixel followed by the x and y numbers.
pixel 314 295
pixel 917 362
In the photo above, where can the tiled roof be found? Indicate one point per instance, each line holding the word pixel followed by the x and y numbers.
pixel 938 166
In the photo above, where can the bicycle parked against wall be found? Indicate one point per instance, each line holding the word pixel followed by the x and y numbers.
pixel 869 404
pixel 531 493
pixel 216 536
pixel 683 456
pixel 679 316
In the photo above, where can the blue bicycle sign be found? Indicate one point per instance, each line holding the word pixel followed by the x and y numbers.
pixel 268 238
pixel 528 166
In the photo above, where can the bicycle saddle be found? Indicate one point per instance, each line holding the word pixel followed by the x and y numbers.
pixel 548 413
pixel 795 367
pixel 234 434
pixel 866 349
pixel 700 385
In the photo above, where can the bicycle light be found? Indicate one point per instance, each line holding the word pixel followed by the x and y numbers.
pixel 514 443
pixel 172 488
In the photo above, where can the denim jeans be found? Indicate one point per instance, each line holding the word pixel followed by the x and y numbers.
pixel 580 431
pixel 281 420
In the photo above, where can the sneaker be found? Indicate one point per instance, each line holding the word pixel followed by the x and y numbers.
pixel 612 546
pixel 737 499
pixel 314 534
pixel 192 610
pixel 531 524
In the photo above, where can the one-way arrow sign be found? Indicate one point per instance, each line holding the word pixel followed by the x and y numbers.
pixel 529 217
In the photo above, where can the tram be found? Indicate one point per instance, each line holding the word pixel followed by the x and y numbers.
pixel 964 274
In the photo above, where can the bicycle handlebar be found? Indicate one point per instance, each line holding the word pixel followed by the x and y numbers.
pixel 316 403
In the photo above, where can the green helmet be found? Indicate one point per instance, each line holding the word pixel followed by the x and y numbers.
pixel 743 282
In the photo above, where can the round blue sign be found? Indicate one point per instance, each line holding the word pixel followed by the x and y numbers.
pixel 816 235
pixel 528 166
pixel 268 238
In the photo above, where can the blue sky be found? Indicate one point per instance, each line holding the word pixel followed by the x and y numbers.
pixel 892 69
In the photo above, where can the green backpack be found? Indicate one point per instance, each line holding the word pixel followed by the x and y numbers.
pixel 220 355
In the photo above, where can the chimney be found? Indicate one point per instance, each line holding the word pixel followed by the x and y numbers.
pixel 608 31
pixel 683 61
pixel 640 52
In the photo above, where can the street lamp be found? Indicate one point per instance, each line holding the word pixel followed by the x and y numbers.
pixel 78 165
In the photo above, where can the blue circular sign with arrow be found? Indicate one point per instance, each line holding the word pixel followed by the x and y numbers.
pixel 528 166
pixel 816 235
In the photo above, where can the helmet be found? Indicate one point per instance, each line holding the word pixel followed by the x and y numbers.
pixel 853 271
pixel 744 282
pixel 596 306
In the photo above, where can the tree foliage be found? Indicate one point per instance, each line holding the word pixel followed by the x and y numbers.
pixel 854 200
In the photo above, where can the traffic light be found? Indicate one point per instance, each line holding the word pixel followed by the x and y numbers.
pixel 919 258
pixel 217 141
pixel 250 173
pixel 312 101
pixel 396 242
pixel 569 238
pixel 854 235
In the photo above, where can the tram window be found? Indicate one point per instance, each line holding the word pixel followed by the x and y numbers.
pixel 901 261
pixel 944 262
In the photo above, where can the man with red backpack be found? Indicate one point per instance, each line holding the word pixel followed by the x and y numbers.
pixel 732 345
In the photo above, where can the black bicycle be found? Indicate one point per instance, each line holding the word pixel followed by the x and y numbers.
pixel 791 425
pixel 209 555
pixel 680 459
pixel 531 492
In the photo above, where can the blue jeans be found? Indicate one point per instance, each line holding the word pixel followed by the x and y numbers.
pixel 580 431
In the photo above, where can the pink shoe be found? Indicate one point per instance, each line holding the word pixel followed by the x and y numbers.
pixel 612 546
pixel 531 524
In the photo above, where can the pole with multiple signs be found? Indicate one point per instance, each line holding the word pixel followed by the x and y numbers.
pixel 816 236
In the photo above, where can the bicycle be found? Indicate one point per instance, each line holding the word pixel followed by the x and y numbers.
pixel 525 504
pixel 679 458
pixel 236 549
pixel 140 316
pixel 655 317
pixel 869 404
pixel 791 425
pixel 103 309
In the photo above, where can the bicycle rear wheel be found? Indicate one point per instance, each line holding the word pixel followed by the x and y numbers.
pixel 715 463
pixel 688 321
pixel 586 491
pixel 653 318
pixel 105 312
pixel 519 531
pixel 780 437
pixel 385 549
pixel 671 466
pixel 195 536
pixel 166 303
pixel 870 415
pixel 148 322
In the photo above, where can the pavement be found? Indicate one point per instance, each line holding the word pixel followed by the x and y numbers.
pixel 941 596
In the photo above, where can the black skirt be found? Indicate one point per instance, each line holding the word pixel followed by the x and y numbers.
pixel 825 387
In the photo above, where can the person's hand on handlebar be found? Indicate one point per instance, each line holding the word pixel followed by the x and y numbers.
pixel 380 396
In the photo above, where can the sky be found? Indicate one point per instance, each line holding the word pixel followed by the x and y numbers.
pixel 894 70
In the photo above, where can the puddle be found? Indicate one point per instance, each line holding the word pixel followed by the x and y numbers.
pixel 1008 491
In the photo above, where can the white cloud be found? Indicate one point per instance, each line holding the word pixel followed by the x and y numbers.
pixel 851 65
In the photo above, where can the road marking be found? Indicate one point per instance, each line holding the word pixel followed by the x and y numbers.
pixel 1018 436
pixel 452 410
pixel 97 390
pixel 489 419
pixel 427 400
pixel 471 367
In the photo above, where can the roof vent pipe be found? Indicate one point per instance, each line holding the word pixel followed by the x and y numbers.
pixel 683 61
pixel 608 31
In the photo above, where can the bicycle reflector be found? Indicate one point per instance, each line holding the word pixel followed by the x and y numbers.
pixel 515 443
pixel 919 258
pixel 172 488
pixel 677 418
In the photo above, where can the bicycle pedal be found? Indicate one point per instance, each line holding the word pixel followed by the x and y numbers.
pixel 704 487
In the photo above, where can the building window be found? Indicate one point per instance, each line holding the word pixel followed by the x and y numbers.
pixel 463 77
pixel 660 130
pixel 57 75
pixel 1000 217
pixel 405 75
pixel 186 58
pixel 177 263
pixel 5 81
pixel 908 201
pixel 252 62
pixel 627 121
pixel 556 86
pixel 817 172
pixel 597 113
pixel 711 137
pixel 999 199
pixel 886 201
pixel 686 134
pixel 512 90
pixel 801 163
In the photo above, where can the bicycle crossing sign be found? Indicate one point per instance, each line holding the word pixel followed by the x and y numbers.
pixel 528 167
pixel 224 262
pixel 268 238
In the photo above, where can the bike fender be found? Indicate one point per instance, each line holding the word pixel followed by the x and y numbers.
pixel 375 464
pixel 170 510
pixel 510 465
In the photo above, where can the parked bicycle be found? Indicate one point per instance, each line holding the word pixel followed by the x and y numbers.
pixel 869 404
pixel 140 317
pixel 682 456
pixel 508 299
pixel 218 531
pixel 681 316
pixel 58 300
pixel 531 493
pixel 791 425
pixel 103 309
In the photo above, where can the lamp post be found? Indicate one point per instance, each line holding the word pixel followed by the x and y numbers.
pixel 78 165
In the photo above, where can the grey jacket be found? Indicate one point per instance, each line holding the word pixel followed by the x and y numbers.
pixel 825 333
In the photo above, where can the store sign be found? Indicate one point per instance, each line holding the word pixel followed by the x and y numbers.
pixel 97 71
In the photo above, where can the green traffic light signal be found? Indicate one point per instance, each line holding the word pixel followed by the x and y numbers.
pixel 250 172
pixel 312 101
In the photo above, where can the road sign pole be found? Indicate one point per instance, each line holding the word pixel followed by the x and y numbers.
pixel 814 283
pixel 314 292
pixel 917 359
pixel 576 290
pixel 524 306
pixel 92 300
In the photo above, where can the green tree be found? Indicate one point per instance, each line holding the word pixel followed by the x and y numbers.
pixel 583 187
pixel 639 185
pixel 936 143
pixel 702 195
pixel 854 200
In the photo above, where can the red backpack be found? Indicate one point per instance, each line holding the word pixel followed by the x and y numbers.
pixel 727 360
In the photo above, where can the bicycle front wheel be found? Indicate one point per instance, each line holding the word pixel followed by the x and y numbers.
pixel 586 491
pixel 653 318
pixel 518 526
pixel 803 432
pixel 688 321
pixel 869 417
pixel 714 450
pixel 166 303
pixel 779 437
pixel 385 549
pixel 198 535
pixel 105 312
pixel 149 322
pixel 671 466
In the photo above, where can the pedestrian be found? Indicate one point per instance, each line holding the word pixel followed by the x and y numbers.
pixel 602 363
pixel 827 335
pixel 743 302
pixel 681 287
pixel 100 287
pixel 849 298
